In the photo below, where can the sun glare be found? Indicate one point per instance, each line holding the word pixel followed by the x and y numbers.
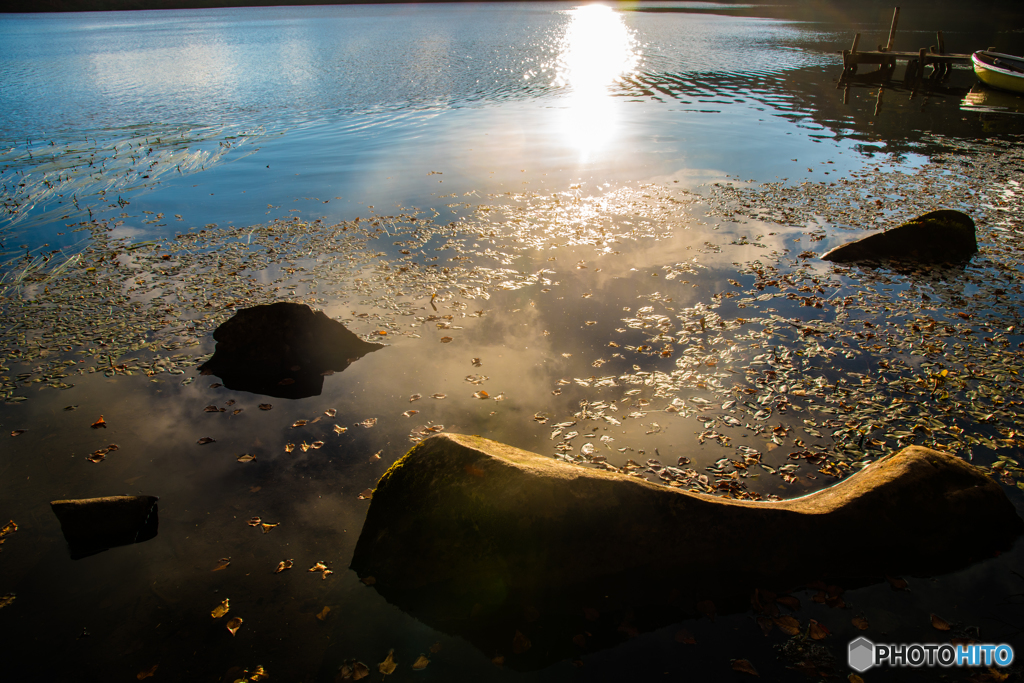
pixel 597 50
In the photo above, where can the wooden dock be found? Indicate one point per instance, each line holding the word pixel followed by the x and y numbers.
pixel 886 58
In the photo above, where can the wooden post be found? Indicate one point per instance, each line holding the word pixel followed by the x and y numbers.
pixel 892 30
pixel 942 43
pixel 922 56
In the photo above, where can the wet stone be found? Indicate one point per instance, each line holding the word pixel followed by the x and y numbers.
pixel 943 236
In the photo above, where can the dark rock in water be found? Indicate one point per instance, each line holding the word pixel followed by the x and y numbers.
pixel 92 525
pixel 487 542
pixel 938 237
pixel 461 506
pixel 282 349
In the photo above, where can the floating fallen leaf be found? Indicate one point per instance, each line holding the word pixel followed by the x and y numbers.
pixel 205 440
pixel 368 422
pixel 854 678
pixel 284 564
pixel 376 456
pixel 437 396
pixel 788 625
pixel 498 660
pixel 246 457
pixel 236 412
pixel 299 423
pixel 420 663
pixel 112 446
pixel 234 624
pixel 520 643
pixel 99 423
pixel 435 648
pixel 897 583
pixel 817 631
pixel 304 446
pixel 500 397
pixel 146 673
pixel 789 601
pixel 445 340
pixel 359 670
pixel 267 527
pixel 97 456
pixel 745 667
pixel 476 362
pixel 766 624
pixel 340 430
pixel 221 609
pixel 415 397
pixel 387 667
pixel 316 444
pixel 16 432
pixel 481 394
pixel 289 447
pixel 254 489
pixel 75 407
pixel 6 599
pixel 685 637
pixel 330 412
pixel 322 615
pixel 266 406
pixel 207 409
pixel 222 563
pixel 410 413
pixel 366 495
pixel 254 521
pixel 322 568
pixel 940 623
pixel 860 622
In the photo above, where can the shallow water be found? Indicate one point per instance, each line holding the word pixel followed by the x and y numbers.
pixel 605 220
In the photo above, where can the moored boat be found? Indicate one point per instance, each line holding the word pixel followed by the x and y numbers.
pixel 999 70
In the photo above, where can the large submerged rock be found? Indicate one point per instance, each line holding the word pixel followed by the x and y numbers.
pixel 92 525
pixel 460 510
pixel 282 349
pixel 944 236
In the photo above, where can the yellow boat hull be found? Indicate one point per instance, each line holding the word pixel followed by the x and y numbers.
pixel 1008 77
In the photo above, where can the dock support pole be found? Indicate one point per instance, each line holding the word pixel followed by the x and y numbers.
pixel 892 30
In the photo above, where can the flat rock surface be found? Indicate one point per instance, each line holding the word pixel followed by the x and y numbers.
pixel 944 236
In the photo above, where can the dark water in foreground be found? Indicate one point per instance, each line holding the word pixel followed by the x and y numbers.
pixel 607 220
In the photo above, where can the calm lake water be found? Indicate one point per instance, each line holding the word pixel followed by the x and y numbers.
pixel 588 231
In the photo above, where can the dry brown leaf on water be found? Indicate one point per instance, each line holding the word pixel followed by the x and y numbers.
pixel 366 495
pixel 304 446
pixel 234 624
pixel 112 446
pixel 481 394
pixel 897 583
pixel 221 609
pixel 16 432
pixel 6 599
pixel 368 422
pixel 266 406
pixel 788 625
pixel 205 440
pixel 289 447
pixel 376 456
pixel 745 667
pixel 146 673
pixel 222 563
pixel 322 615
pixel 340 430
pixel 316 419
pixel 498 660
pixel 415 397
pixel 437 396
pixel 445 340
pixel 435 648
pixel 387 667
pixel 520 643
pixel 322 568
pixel 854 678
pixel 100 423
pixel 420 663
pixel 766 624
pixel 254 521
pixel 284 564
pixel 246 457
pixel 97 456
pixel 706 608
pixel 254 489
pixel 316 444
pixel 330 412
pixel 817 631
pixel 409 413
pixel 237 411
pixel 860 622
pixel 476 362
pixel 267 527
pixel 789 601
pixel 207 409
pixel 940 623
pixel 299 423
pixel 685 637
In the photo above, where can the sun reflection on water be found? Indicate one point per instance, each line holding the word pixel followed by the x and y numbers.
pixel 597 50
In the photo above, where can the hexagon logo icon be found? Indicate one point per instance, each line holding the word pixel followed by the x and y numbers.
pixel 861 655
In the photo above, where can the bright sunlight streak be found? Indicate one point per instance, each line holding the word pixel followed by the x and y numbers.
pixel 597 51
